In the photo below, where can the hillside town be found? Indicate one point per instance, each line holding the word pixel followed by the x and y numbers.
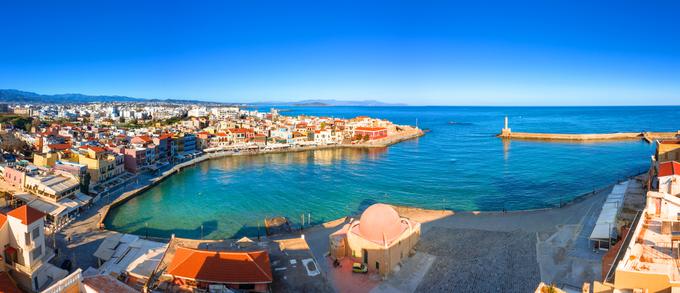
pixel 63 162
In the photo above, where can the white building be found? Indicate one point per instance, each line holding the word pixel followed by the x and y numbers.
pixel 669 177
pixel 22 237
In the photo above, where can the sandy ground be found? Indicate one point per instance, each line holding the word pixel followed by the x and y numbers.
pixel 481 252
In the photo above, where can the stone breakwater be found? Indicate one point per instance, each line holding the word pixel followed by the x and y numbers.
pixel 648 136
pixel 407 134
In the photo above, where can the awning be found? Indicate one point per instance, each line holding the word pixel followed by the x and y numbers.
pixel 85 199
pixel 107 248
pixel 69 204
pixel 48 208
pixel 25 197
pixel 605 227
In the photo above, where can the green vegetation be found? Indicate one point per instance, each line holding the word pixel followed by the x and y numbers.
pixel 19 122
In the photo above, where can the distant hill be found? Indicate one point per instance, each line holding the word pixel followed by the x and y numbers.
pixel 17 96
pixel 327 103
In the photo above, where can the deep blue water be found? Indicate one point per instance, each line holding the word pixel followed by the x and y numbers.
pixel 459 165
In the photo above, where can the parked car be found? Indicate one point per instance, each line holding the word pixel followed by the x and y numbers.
pixel 359 268
pixel 66 265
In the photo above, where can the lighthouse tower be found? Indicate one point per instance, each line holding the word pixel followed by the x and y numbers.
pixel 506 130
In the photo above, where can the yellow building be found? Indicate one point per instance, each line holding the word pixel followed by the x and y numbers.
pixel 102 165
pixel 668 150
pixel 46 160
pixel 381 239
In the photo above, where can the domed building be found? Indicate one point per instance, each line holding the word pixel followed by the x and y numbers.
pixel 380 239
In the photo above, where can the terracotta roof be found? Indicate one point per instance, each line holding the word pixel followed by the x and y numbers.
pixel 59 146
pixel 240 130
pixel 94 148
pixel 106 283
pixel 669 168
pixel 165 136
pixel 26 214
pixel 144 138
pixel 7 285
pixel 221 267
pixel 371 128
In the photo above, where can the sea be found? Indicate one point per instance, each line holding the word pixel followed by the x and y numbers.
pixel 459 164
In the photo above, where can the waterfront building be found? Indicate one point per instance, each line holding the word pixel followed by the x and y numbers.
pixel 22 239
pixel 669 177
pixel 380 239
pixel 241 135
pixel 164 150
pixel 649 258
pixel 129 258
pixel 371 132
pixel 203 269
pixel 79 171
pixel 668 150
pixel 102 164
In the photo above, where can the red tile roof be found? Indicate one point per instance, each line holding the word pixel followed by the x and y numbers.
pixel 144 138
pixel 7 285
pixel 221 267
pixel 59 146
pixel 669 168
pixel 96 149
pixel 371 128
pixel 240 130
pixel 3 219
pixel 26 214
pixel 106 283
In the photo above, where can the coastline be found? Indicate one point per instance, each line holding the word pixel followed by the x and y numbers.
pixel 126 196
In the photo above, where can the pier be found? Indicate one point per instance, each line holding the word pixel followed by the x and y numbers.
pixel 506 133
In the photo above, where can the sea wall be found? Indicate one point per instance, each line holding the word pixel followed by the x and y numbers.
pixel 648 136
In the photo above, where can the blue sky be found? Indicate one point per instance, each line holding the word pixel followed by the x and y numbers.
pixel 414 52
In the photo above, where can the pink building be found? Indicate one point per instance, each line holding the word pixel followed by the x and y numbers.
pixel 371 132
pixel 15 176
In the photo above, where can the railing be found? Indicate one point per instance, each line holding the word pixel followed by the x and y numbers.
pixel 625 246
pixel 62 285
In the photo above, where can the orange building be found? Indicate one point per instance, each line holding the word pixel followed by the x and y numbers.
pixel 248 271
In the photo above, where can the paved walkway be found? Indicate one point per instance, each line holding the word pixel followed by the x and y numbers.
pixel 80 238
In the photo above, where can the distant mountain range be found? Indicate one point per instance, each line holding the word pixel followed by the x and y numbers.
pixel 17 96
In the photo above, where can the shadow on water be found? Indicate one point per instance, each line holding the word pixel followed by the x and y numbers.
pixel 253 231
pixel 199 232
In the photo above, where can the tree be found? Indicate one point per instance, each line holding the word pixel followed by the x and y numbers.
pixel 366 137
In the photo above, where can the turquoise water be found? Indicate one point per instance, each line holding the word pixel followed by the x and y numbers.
pixel 459 165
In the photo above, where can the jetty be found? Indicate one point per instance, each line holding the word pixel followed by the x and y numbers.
pixel 506 133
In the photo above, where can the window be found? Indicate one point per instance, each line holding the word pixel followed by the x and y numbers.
pixel 36 253
pixel 36 233
pixel 377 265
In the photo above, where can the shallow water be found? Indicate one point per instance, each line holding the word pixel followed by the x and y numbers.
pixel 459 165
